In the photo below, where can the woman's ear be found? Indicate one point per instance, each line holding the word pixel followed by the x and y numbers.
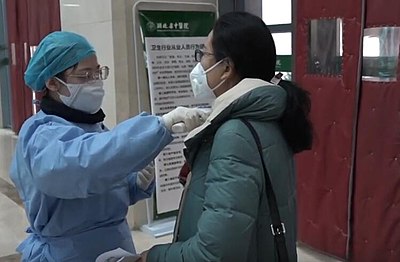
pixel 229 71
pixel 53 84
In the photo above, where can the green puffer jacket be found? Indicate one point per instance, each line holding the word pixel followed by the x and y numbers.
pixel 224 214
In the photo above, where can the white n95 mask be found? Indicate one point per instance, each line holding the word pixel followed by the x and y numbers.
pixel 86 97
pixel 198 80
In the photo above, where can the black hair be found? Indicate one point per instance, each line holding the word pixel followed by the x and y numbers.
pixel 295 123
pixel 246 40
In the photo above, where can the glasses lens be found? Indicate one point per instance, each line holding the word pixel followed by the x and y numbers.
pixel 198 54
pixel 104 72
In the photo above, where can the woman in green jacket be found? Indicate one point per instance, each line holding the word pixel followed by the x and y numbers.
pixel 224 213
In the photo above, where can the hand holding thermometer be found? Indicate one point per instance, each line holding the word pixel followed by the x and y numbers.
pixel 202 116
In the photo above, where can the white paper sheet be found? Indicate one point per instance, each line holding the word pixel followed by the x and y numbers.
pixel 117 255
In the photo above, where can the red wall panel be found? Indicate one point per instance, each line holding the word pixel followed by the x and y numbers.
pixel 324 172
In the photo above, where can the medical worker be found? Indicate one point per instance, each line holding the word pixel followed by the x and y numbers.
pixel 75 177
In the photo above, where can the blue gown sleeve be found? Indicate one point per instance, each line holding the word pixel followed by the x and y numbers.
pixel 68 163
pixel 136 193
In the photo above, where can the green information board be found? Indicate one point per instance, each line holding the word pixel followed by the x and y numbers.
pixel 170 39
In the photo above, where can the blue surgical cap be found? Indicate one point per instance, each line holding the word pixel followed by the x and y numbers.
pixel 57 52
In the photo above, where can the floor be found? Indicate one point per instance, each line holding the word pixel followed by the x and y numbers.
pixel 13 222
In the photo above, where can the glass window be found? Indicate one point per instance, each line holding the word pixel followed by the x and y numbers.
pixel 275 12
pixel 380 53
pixel 326 46
pixel 283 43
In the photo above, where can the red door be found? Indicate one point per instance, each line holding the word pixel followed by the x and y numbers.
pixel 16 14
pixel 349 184
pixel 327 54
pixel 28 22
pixel 376 201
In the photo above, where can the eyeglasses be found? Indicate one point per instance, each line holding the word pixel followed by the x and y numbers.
pixel 198 54
pixel 100 74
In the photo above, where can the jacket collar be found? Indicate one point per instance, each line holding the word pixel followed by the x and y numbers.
pixel 226 100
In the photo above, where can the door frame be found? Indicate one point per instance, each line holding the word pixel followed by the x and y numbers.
pixel 5 101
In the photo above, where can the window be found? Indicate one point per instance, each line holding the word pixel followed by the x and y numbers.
pixel 277 14
pixel 326 46
pixel 283 43
pixel 380 54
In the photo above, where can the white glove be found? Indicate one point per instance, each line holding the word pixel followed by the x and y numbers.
pixel 145 177
pixel 188 118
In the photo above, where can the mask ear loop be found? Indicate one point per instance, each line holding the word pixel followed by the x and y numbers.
pixel 61 81
pixel 217 86
pixel 276 79
pixel 72 95
pixel 213 66
pixel 223 81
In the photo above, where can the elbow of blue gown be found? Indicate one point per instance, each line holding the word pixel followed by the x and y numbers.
pixel 77 164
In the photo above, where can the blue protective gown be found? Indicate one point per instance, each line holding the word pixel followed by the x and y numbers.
pixel 77 181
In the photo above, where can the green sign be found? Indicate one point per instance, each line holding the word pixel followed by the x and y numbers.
pixel 283 63
pixel 176 23
pixel 170 39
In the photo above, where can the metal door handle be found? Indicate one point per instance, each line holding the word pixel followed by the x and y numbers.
pixel 13 55
pixel 26 53
pixel 33 49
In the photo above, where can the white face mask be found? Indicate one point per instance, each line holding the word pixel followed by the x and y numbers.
pixel 86 97
pixel 198 80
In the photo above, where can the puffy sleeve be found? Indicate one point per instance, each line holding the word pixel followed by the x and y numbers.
pixel 66 162
pixel 233 188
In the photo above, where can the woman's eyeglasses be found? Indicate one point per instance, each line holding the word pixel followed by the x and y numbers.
pixel 198 54
pixel 100 74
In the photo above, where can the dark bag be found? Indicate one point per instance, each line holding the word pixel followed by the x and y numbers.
pixel 277 227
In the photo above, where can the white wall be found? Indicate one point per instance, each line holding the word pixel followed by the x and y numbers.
pixel 1 110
